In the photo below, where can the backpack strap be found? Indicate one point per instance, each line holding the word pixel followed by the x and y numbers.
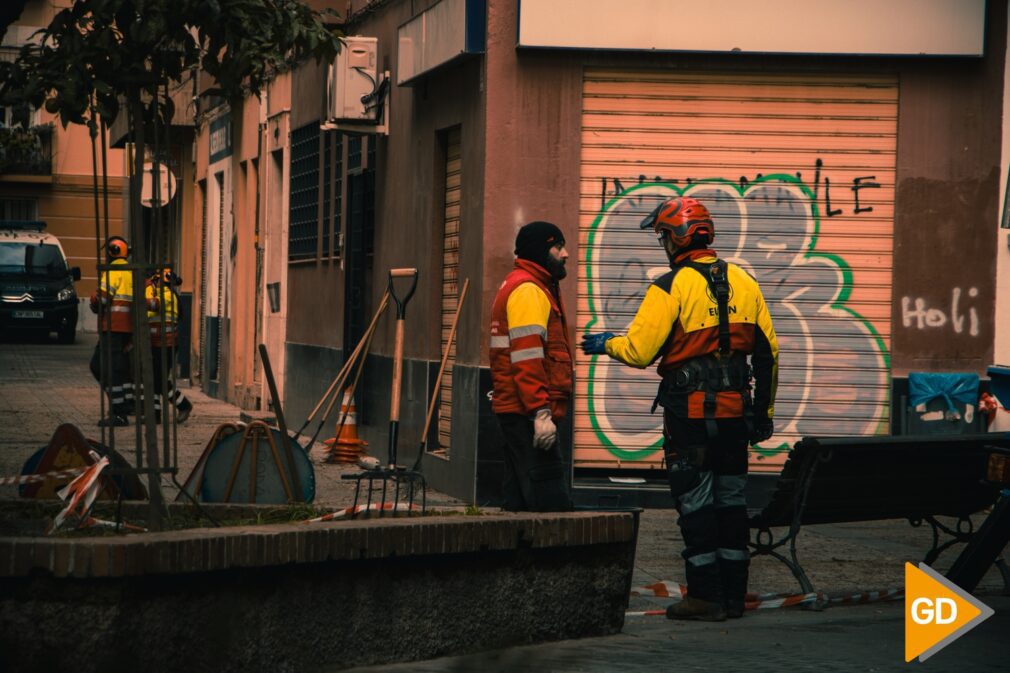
pixel 718 283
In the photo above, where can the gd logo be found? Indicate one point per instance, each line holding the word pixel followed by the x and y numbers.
pixel 937 612
pixel 923 611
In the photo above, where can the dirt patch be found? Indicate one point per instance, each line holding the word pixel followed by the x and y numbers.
pixel 31 518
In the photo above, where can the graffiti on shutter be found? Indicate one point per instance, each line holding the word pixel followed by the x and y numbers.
pixel 798 172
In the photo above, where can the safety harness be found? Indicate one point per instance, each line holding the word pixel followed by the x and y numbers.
pixel 719 372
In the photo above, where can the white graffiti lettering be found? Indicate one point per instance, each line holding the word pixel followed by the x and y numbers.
pixel 917 313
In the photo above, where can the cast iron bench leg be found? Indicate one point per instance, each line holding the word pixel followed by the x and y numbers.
pixel 957 535
pixel 982 550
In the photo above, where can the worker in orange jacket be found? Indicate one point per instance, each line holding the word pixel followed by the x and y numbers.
pixel 113 302
pixel 531 371
pixel 703 320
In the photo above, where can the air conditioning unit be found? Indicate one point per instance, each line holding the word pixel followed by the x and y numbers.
pixel 353 82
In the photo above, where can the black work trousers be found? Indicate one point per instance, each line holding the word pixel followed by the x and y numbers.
pixel 535 480
pixel 713 514
pixel 175 396
pixel 119 386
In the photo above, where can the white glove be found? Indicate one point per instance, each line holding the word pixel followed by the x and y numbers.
pixel 545 433
pixel 368 462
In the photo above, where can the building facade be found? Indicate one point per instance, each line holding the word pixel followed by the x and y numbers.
pixel 855 170
pixel 47 172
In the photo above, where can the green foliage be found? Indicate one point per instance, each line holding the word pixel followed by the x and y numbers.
pixel 98 50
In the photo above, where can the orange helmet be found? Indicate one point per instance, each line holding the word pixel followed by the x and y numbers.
pixel 681 217
pixel 117 247
pixel 165 276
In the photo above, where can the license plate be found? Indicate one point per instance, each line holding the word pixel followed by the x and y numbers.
pixel 28 314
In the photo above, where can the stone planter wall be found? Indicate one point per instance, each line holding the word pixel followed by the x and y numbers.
pixel 302 597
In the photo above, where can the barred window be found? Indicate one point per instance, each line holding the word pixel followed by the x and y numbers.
pixel 303 213
pixel 333 147
pixel 19 209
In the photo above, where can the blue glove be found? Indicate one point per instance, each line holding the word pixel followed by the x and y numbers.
pixel 596 344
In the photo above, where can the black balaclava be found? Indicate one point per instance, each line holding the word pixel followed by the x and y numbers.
pixel 534 242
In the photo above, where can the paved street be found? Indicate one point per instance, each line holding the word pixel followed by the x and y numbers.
pixel 45 384
pixel 862 638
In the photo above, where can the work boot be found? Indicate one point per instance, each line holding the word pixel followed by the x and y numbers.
pixel 183 412
pixel 117 420
pixel 697 609
pixel 734 609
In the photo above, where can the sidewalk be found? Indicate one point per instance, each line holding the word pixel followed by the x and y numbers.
pixel 45 384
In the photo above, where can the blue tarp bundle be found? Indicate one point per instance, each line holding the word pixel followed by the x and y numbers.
pixel 924 387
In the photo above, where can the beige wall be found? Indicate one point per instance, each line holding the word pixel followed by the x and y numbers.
pixel 66 198
pixel 243 288
pixel 315 289
pixel 533 125
pixel 409 193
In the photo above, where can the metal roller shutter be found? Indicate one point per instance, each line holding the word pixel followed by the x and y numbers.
pixel 450 278
pixel 798 171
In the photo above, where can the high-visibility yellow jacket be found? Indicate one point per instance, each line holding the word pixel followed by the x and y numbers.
pixel 114 298
pixel 531 360
pixel 678 320
pixel 162 305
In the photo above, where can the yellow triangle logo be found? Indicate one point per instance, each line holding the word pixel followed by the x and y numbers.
pixel 937 612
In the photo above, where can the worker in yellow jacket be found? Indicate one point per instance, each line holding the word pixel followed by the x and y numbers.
pixel 113 302
pixel 163 316
pixel 707 323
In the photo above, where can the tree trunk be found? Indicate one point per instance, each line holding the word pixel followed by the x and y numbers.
pixel 141 326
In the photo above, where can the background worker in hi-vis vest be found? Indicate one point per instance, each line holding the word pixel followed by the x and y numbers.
pixel 113 302
pixel 163 316
pixel 709 413
pixel 531 370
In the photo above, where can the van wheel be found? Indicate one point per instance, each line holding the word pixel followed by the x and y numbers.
pixel 67 335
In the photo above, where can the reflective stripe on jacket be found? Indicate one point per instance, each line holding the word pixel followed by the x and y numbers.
pixel 162 334
pixel 115 298
pixel 678 320
pixel 531 360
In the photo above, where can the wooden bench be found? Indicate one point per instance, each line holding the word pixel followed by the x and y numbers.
pixel 851 479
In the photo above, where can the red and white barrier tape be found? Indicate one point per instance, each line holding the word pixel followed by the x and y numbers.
pixel 81 491
pixel 36 478
pixel 661 589
pixel 754 601
pixel 92 522
pixel 867 597
pixel 374 507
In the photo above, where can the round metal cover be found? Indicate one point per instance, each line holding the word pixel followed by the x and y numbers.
pixel 265 485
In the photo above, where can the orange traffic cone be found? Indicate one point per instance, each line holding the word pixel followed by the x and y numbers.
pixel 346 447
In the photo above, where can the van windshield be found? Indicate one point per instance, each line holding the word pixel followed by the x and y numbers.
pixel 19 259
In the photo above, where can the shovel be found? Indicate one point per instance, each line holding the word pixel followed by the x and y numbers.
pixel 401 314
pixel 391 471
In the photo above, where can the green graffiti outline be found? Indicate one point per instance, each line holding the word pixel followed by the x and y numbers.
pixel 838 302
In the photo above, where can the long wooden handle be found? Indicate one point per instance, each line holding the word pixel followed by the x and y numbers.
pixel 445 359
pixel 354 386
pixel 296 481
pixel 345 370
pixel 394 401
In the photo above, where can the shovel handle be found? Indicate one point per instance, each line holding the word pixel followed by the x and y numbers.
pixel 401 303
pixel 394 398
